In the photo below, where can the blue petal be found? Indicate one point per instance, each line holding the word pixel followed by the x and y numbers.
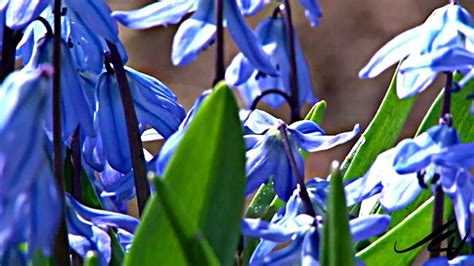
pixel 260 165
pixel 20 13
pixel 96 15
pixel 460 155
pixel 463 260
pixel 288 255
pixel 245 39
pixel 359 189
pixel 258 122
pixel 284 179
pixel 312 11
pixel 399 191
pixel 195 34
pixel 392 52
pixel 239 70
pixel 307 127
pixel 363 228
pixel 314 141
pixel 263 229
pixel 251 7
pixel 111 121
pixel 413 82
pixel 167 151
pixel 156 14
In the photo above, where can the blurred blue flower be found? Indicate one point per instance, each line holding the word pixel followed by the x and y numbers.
pixel 266 156
pixel 25 201
pixel 443 43
pixel 87 229
pixel 251 82
pixel 155 105
pixel 197 32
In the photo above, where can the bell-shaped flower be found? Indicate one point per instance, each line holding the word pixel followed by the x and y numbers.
pixel 251 82
pixel 266 156
pixel 197 32
pixel 443 43
pixel 25 201
pixel 155 106
pixel 87 229
pixel 75 103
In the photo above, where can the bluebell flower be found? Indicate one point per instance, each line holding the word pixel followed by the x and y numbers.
pixel 25 201
pixel 443 43
pixel 266 156
pixel 76 106
pixel 291 224
pixel 87 229
pixel 155 106
pixel 197 32
pixel 250 82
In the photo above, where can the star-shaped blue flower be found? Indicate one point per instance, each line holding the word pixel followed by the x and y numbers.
pixel 443 43
pixel 266 156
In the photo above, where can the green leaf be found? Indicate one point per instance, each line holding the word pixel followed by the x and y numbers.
pixel 336 244
pixel 381 134
pixel 410 231
pixel 207 172
pixel 195 247
pixel 92 259
pixel 317 112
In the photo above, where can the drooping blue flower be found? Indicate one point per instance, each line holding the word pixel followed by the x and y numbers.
pixel 291 224
pixel 155 106
pixel 266 156
pixel 196 33
pixel 443 43
pixel 251 82
pixel 25 201
pixel 87 229
pixel 75 103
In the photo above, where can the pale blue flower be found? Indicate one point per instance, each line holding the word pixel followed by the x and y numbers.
pixel 443 43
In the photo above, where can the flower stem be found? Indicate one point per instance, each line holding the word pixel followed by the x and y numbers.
pixel 220 66
pixel 267 92
pixel 142 186
pixel 290 41
pixel 10 40
pixel 437 223
pixel 76 164
pixel 299 177
pixel 61 248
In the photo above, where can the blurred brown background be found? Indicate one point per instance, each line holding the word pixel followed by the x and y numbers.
pixel 348 34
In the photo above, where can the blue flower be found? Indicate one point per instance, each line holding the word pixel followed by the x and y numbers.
pixel 197 32
pixel 251 82
pixel 290 224
pixel 155 105
pixel 25 201
pixel 266 156
pixel 76 106
pixel 87 229
pixel 441 44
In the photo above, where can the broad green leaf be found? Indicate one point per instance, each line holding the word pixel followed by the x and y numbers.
pixel 381 134
pixel 207 173
pixel 195 247
pixel 336 244
pixel 410 231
